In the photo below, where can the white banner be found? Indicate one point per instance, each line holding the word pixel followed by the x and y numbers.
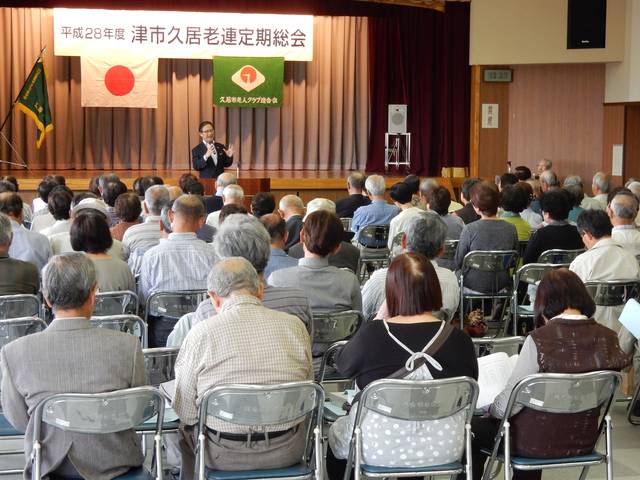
pixel 83 32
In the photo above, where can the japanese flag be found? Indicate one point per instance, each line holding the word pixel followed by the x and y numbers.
pixel 118 81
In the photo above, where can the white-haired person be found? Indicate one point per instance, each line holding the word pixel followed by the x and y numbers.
pixel 232 194
pixel 379 212
pixel 291 209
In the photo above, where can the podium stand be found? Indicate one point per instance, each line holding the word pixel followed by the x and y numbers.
pixel 251 186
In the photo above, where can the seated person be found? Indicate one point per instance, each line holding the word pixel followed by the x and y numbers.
pixel 90 234
pixel 262 203
pixel 379 212
pixel 400 193
pixel 71 356
pixel 488 233
pixel 623 210
pixel 128 210
pixel 577 194
pixel 556 233
pixel 467 213
pixel 514 201
pixel 329 288
pixel 291 209
pixel 530 213
pixel 16 276
pixel 225 350
pixel 278 259
pixel 412 293
pixel 570 341
pixel 59 205
pixel 439 201
pixel 345 207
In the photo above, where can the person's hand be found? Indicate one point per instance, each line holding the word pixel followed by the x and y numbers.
pixel 229 151
pixel 210 150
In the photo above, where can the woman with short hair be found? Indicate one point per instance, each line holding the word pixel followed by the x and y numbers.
pixel 128 209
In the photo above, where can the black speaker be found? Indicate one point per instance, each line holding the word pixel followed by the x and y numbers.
pixel 586 25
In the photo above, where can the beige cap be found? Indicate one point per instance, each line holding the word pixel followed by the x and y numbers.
pixel 91 204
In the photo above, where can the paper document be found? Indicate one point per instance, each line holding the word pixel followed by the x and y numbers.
pixel 630 317
pixel 493 374
pixel 168 389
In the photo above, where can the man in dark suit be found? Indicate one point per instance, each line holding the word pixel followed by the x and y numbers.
pixel 210 158
pixel 346 206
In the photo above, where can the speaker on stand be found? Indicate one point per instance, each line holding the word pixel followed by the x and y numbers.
pixel 397 141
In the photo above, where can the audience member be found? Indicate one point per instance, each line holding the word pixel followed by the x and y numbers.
pixel 146 235
pixel 413 182
pixel 522 173
pixel 59 205
pixel 604 260
pixel 488 233
pixel 227 350
pixel 506 180
pixel 329 288
pixel 181 262
pixel 548 180
pixel 214 202
pixel 542 166
pixel 600 186
pixel 468 213
pixel 93 185
pixel 110 193
pixel 556 233
pixel 26 208
pixel 70 356
pixel 291 209
pixel 379 212
pixel 439 201
pixel 570 341
pixel 128 210
pixel 230 209
pixel 232 194
pixel 424 234
pixel 412 296
pixel 347 256
pixel 623 211
pixel 528 214
pixel 262 203
pixel 174 192
pixel 104 180
pixel 400 193
pixel 345 207
pixel 186 178
pixel 534 205
pixel 16 276
pixel 429 184
pixel 278 258
pixel 90 234
pixel 577 196
pixel 41 216
pixel 514 201
pixel 25 245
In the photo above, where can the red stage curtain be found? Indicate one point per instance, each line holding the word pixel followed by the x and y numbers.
pixel 421 58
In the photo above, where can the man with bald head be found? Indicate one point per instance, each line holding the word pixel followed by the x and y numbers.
pixel 291 209
pixel 622 211
pixel 181 262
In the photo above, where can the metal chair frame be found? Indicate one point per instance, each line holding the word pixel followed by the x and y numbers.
pixel 346 223
pixel 198 294
pixel 559 256
pixel 160 364
pixel 612 293
pixel 123 323
pixel 47 407
pixel 396 246
pixel 126 298
pixel 328 359
pixel 369 399
pixel 13 299
pixel 484 346
pixel 450 247
pixel 354 317
pixel 521 395
pixel 376 257
pixel 314 428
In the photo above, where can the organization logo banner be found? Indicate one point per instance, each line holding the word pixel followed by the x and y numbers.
pixel 164 34
pixel 248 82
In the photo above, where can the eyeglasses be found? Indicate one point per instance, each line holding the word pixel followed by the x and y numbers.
pixel 207 131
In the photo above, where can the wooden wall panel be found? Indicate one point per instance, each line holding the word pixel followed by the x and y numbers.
pixel 612 134
pixel 556 112
pixel 632 141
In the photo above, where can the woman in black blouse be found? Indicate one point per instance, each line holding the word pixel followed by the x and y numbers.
pixel 413 294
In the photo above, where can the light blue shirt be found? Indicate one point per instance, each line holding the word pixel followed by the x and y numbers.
pixel 279 260
pixel 378 213
pixel 29 246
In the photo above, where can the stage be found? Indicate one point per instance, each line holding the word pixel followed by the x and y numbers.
pixel 308 184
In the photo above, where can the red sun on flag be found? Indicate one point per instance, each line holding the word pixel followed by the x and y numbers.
pixel 119 80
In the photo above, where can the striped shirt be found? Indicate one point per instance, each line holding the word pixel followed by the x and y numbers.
pixel 144 235
pixel 181 262
pixel 226 350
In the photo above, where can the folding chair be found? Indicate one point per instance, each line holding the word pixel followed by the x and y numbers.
pixel 328 328
pixel 558 256
pixel 160 364
pixel 346 223
pixel 530 274
pixel 10 330
pixel 485 346
pixel 17 306
pixel 446 260
pixel 396 247
pixel 612 293
pixel 123 323
pixel 418 405
pixel 374 254
pixel 164 309
pixel 328 363
pixel 100 413
pixel 556 393
pixel 116 303
pixel 633 409
pixel 497 263
pixel 264 408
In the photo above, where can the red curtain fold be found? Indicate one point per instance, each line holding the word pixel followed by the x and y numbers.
pixel 421 58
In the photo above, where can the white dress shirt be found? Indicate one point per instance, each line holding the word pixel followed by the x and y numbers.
pixel 213 219
pixel 61 226
pixel 29 246
pixel 400 221
pixel 41 220
pixel 628 236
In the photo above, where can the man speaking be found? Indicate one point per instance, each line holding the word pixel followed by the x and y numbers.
pixel 209 157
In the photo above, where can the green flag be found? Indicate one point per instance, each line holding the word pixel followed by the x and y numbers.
pixel 248 81
pixel 34 100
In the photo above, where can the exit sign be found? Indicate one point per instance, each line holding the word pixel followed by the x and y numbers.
pixel 498 75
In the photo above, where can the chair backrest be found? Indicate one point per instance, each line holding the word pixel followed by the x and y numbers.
pixel 419 400
pixel 450 247
pixel 558 256
pixel 116 303
pixel 160 364
pixel 174 304
pixel 13 328
pixel 396 241
pixel 613 292
pixel 15 306
pixel 123 323
pixel 490 260
pixel 485 345
pixel 329 357
pixel 532 273
pixel 346 223
pixel 522 246
pixel 336 326
pixel 374 234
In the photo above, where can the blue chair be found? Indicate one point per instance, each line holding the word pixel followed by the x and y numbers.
pixel 415 403
pixel 100 413
pixel 557 393
pixel 257 408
